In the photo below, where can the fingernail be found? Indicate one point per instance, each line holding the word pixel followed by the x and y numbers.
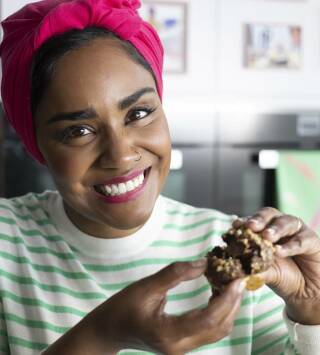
pixel 254 220
pixel 199 263
pixel 240 220
pixel 280 248
pixel 271 231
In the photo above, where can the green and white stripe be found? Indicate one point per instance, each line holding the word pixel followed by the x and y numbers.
pixel 47 284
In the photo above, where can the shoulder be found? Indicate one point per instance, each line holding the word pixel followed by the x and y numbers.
pixel 26 209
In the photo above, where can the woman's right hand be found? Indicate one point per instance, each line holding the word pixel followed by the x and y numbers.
pixel 134 318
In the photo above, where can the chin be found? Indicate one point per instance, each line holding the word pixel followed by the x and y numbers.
pixel 132 223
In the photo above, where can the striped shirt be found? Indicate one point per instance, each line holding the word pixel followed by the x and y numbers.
pixel 52 275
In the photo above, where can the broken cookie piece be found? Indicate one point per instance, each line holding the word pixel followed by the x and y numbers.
pixel 245 254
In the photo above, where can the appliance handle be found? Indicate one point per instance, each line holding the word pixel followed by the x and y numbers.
pixel 268 159
pixel 176 159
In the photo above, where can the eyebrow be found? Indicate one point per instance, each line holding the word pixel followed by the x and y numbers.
pixel 130 100
pixel 90 113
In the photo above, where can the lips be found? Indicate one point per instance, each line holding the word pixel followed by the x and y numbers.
pixel 123 179
pixel 123 185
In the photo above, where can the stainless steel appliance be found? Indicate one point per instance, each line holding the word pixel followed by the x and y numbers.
pixel 192 178
pixel 20 173
pixel 247 155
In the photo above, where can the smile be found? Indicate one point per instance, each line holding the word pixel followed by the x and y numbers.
pixel 123 185
pixel 122 188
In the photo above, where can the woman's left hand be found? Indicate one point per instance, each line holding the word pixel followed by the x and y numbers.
pixel 295 274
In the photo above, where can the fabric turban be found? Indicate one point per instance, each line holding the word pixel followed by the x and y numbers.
pixel 26 30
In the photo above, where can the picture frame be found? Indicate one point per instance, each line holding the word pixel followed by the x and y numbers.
pixel 169 18
pixel 272 46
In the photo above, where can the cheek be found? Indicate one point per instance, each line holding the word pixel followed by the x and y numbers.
pixel 164 142
pixel 159 138
pixel 66 165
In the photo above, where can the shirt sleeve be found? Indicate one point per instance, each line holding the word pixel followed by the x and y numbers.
pixel 304 339
pixel 275 333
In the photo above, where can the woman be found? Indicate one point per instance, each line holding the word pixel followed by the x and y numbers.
pixel 90 269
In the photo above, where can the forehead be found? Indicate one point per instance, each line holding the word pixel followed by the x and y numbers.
pixel 100 70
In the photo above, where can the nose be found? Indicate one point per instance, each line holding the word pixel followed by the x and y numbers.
pixel 118 152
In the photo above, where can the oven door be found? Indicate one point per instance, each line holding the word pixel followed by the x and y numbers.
pixel 191 178
pixel 246 180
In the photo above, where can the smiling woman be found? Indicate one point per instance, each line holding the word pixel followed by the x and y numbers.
pixel 97 266
pixel 91 131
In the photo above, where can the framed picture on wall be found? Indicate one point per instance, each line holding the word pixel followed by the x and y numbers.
pixel 170 20
pixel 271 46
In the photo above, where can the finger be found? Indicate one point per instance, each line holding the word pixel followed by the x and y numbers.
pixel 237 223
pixel 260 220
pixel 170 276
pixel 282 226
pixel 224 302
pixel 271 276
pixel 219 313
pixel 301 243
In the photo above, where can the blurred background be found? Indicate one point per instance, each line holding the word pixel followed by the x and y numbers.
pixel 242 98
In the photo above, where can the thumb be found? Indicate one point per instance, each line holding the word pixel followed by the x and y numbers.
pixel 173 274
pixel 274 274
pixel 229 299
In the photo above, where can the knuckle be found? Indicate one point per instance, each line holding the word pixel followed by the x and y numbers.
pixel 277 274
pixel 298 242
pixel 268 209
pixel 227 326
pixel 290 218
pixel 280 221
pixel 178 267
pixel 210 322
pixel 167 346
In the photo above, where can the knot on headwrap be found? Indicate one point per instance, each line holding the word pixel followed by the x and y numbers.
pixel 26 31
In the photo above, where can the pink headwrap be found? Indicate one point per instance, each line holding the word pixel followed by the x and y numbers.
pixel 26 30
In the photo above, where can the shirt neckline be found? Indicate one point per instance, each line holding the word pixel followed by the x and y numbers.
pixel 115 248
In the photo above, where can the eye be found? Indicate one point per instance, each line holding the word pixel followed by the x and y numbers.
pixel 74 132
pixel 138 114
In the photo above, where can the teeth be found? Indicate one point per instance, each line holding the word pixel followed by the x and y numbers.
pixel 108 189
pixel 136 182
pixel 114 190
pixel 129 185
pixel 122 188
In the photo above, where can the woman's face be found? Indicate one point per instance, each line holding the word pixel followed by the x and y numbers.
pixel 99 113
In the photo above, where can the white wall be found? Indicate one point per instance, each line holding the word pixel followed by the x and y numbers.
pixel 10 6
pixel 235 80
pixel 216 48
pixel 216 78
pixel 202 57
